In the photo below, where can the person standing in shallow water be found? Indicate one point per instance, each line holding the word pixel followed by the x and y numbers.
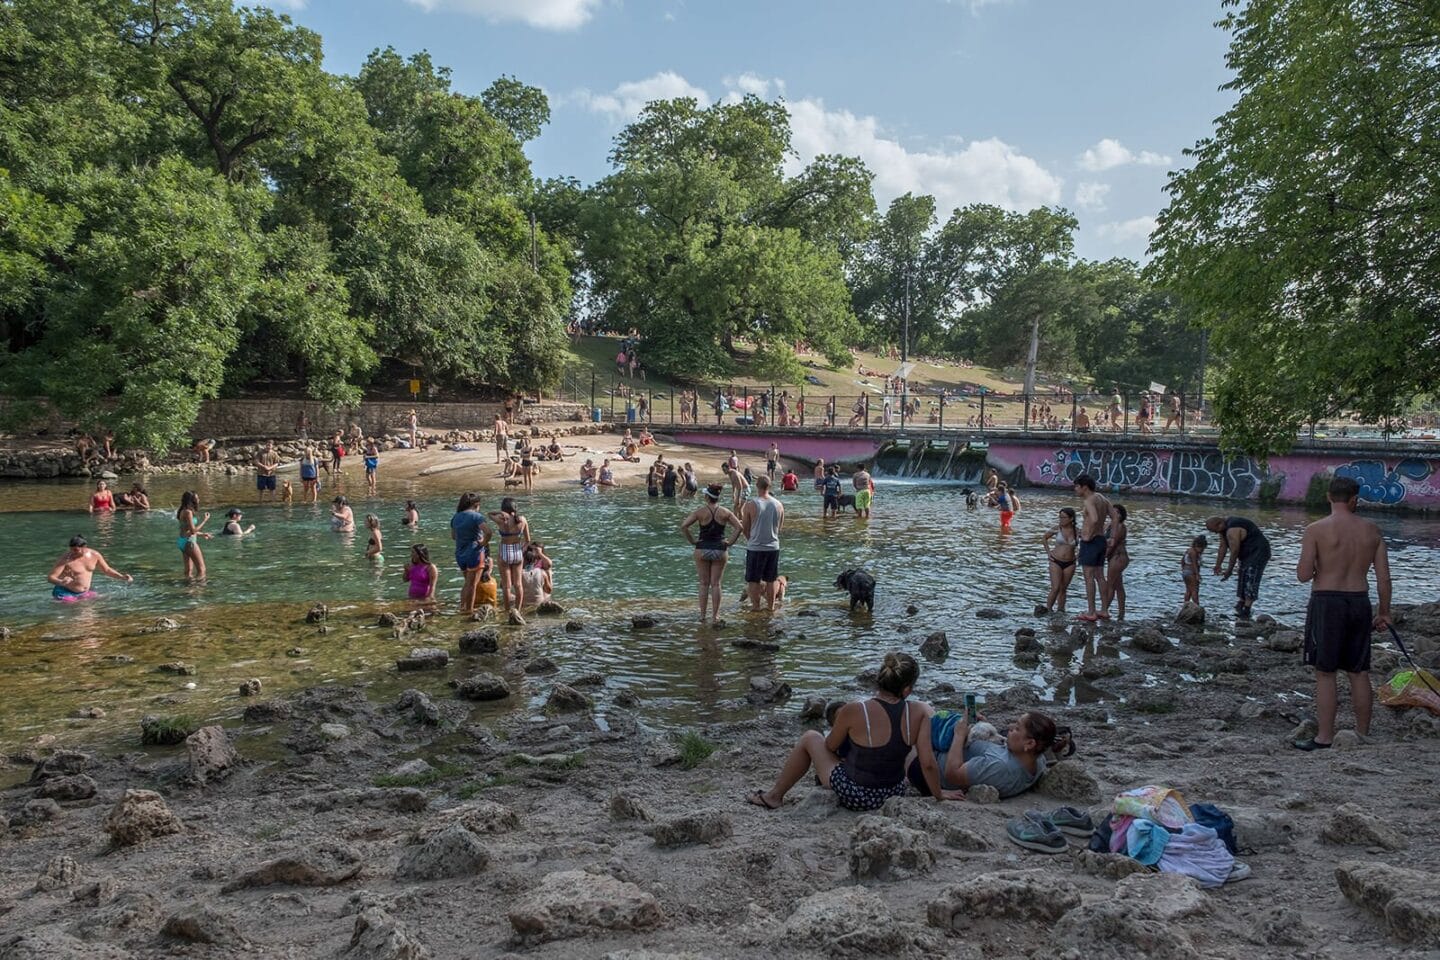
pixel 514 535
pixel 762 519
pixel 1096 514
pixel 190 535
pixel 472 541
pixel 711 546
pixel 1117 559
pixel 1247 545
pixel 70 579
pixel 1062 558
pixel 1336 555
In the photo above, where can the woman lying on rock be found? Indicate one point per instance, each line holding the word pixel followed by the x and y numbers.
pixel 863 758
pixel 1010 766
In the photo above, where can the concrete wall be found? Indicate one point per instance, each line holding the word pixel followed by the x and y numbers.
pixel 276 418
pixel 808 447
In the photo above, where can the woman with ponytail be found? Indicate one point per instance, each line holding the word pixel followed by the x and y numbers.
pixel 863 757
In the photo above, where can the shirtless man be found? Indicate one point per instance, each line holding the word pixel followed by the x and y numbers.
pixel 71 576
pixel 1247 545
pixel 1097 513
pixel 265 463
pixel 739 487
pixel 1115 413
pixel 502 439
pixel 1172 414
pixel 1336 555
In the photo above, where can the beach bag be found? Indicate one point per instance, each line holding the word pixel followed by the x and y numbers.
pixel 942 729
pixel 1412 688
pixel 1209 815
pixel 1161 805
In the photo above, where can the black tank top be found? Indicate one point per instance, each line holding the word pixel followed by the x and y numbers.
pixel 881 766
pixel 712 534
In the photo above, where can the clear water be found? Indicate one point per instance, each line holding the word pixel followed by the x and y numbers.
pixel 616 554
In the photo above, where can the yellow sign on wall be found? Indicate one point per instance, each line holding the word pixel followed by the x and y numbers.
pixel 414 388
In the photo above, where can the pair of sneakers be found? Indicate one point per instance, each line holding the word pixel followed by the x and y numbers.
pixel 1045 832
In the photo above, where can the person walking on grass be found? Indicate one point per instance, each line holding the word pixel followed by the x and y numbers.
pixel 1336 556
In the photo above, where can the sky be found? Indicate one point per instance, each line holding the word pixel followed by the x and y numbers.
pixel 1086 105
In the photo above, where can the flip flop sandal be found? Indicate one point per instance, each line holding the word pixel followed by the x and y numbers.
pixel 757 799
pixel 1309 745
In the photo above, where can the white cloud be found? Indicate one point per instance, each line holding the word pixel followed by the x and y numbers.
pixel 546 14
pixel 1091 196
pixel 749 83
pixel 286 4
pixel 1109 154
pixel 973 171
pixel 977 5
pixel 625 102
pixel 1127 231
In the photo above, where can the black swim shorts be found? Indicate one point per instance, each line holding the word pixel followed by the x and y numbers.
pixel 263 482
pixel 762 566
pixel 1092 552
pixel 1337 631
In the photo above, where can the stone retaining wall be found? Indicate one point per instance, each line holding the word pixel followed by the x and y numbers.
pixel 276 418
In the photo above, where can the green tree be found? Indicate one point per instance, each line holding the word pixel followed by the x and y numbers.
pixel 699 240
pixel 1303 232
pixel 523 109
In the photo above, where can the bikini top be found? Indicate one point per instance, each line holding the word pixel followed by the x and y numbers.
pixel 884 765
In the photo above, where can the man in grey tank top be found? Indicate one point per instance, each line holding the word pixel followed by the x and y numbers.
pixel 761 519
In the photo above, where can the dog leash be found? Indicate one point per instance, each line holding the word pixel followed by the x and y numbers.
pixel 1418 672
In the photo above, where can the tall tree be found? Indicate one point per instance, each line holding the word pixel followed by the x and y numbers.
pixel 1303 232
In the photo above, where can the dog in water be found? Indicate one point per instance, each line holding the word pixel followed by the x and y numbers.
pixel 861 586
pixel 782 583
pixel 847 500
pixel 971 501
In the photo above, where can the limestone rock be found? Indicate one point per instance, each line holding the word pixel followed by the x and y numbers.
pixel 1286 641
pixel 1069 781
pixel 412 768
pixel 642 622
pixel 573 626
pixel 540 665
pixel 60 871
pixel 334 731
pixel 1165 896
pixel 625 807
pixel 989 613
pixel 450 852
pixel 1122 929
pixel 482 686
pixel 812 709
pixel 573 903
pixel 514 618
pixel 88 713
pixel 1112 866
pixel 323 865
pixel 210 754
pixel 882 848
pixel 424 658
pixel 201 923
pixel 1351 825
pixel 161 625
pixel 936 647
pixel 270 711
pixel 139 816
pixel 163 731
pixel 1191 615
pixel 486 640
pixel 420 706
pixel 62 763
pixel 1155 700
pixel 849 922
pixel 1151 640
pixel 480 817
pixel 564 698
pixel 1034 895
pixel 701 826
pixel 36 811
pixel 66 789
pixel 51 943
pixel 379 936
pixel 923 815
pixel 982 793
pixel 1347 740
pixel 549 608
pixel 1408 900
pixel 764 690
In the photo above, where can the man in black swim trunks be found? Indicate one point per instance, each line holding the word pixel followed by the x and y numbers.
pixel 1097 514
pixel 1336 555
pixel 1247 545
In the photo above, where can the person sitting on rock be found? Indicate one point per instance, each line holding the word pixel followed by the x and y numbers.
pixel 1011 767
pixel 863 757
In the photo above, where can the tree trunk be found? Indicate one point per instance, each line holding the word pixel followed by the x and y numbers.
pixel 1034 354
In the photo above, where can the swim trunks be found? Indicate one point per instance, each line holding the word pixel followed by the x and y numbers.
pixel 265 483
pixel 65 595
pixel 1005 517
pixel 1337 631
pixel 1091 553
pixel 468 558
pixel 762 566
pixel 862 499
pixel 852 796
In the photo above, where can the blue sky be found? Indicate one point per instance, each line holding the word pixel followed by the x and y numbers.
pixel 1082 103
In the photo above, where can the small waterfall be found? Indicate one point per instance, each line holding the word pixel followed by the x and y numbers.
pixel 930 460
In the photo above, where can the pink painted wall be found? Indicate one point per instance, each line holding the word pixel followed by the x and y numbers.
pixel 1410 481
pixel 830 449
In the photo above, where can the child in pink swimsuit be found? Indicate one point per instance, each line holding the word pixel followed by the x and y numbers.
pixel 421 573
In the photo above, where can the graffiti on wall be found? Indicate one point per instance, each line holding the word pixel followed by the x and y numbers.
pixel 1385 486
pixel 1200 473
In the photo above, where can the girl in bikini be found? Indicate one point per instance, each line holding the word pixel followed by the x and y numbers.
pixel 374 550
pixel 711 547
pixel 1062 558
pixel 190 534
pixel 514 534
pixel 412 516
pixel 1118 559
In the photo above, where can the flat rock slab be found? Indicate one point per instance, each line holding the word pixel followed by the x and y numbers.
pixel 702 826
pixel 323 865
pixel 1350 824
pixel 1408 900
pixel 573 903
pixel 1035 895
pixel 848 921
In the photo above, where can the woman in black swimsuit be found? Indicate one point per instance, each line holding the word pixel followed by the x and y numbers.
pixel 527 463
pixel 1062 558
pixel 711 547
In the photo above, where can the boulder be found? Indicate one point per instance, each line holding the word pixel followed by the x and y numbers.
pixel 486 640
pixel 564 698
pixel 573 903
pixel 451 852
pixel 989 613
pixel 1113 928
pixel 1031 895
pixel 936 647
pixel 1408 900
pixel 482 686
pixel 573 626
pixel 625 807
pixel 982 793
pixel 847 922
pixel 1164 896
pixel 1151 640
pixel 701 826
pixel 209 755
pixel 1191 615
pixel 59 872
pixel 923 815
pixel 67 789
pixel 271 711
pixel 884 849
pixel 323 865
pixel 480 817
pixel 1070 782
pixel 549 608
pixel 642 622
pixel 1351 825
pixel 1286 641
pixel 514 618
pixel 201 923
pixel 36 811
pixel 541 665
pixel 812 709
pixel 140 815
pixel 424 658
pixel 420 706
pixel 764 690
pixel 379 936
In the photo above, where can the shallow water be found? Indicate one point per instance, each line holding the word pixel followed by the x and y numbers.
pixel 616 554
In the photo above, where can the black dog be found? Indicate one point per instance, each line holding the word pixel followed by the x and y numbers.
pixel 847 500
pixel 971 501
pixel 861 586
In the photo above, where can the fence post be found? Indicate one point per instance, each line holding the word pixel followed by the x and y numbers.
pixel 592 389
pixel 1125 411
pixel 941 428
pixel 612 396
pixel 1182 410
pixel 982 412
pixel 1027 413
pixel 802 404
pixel 718 416
pixel 866 398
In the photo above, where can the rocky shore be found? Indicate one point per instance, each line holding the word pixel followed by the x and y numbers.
pixel 337 824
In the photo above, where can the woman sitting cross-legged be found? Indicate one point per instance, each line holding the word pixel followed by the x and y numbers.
pixel 863 758
pixel 1011 767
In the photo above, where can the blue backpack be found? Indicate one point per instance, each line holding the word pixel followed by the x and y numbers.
pixel 1209 815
